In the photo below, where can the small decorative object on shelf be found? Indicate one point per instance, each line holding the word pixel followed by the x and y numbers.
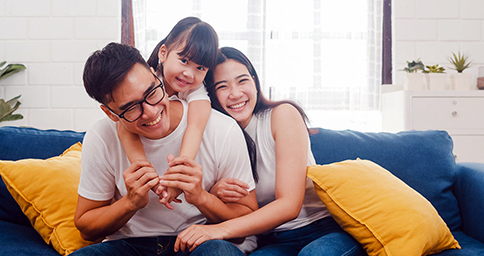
pixel 480 78
pixel 415 80
pixel 436 77
pixel 459 80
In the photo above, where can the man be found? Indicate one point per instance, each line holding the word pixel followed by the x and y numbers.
pixel 114 196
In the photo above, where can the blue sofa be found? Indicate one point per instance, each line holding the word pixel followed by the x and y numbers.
pixel 422 159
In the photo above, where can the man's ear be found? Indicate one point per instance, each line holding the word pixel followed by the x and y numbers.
pixel 162 53
pixel 109 113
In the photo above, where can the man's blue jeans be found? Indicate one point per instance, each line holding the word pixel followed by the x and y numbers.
pixel 160 246
pixel 322 237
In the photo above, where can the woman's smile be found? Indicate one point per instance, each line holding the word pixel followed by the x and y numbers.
pixel 238 105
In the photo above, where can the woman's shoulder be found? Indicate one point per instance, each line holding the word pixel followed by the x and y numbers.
pixel 285 117
pixel 285 110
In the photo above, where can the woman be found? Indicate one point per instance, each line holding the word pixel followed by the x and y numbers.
pixel 291 220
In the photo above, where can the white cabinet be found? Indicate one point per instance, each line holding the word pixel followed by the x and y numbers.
pixel 460 113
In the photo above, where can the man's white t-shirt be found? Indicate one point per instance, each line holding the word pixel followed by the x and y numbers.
pixel 223 154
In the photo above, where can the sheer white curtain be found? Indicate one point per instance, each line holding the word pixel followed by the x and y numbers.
pixel 323 54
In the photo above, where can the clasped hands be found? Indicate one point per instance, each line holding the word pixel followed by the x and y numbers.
pixel 167 194
pixel 183 175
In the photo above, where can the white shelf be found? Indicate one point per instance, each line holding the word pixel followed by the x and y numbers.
pixel 460 113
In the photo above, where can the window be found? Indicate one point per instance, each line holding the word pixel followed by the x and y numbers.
pixel 325 55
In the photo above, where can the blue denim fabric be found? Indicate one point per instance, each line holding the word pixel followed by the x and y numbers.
pixel 322 237
pixel 217 248
pixel 160 246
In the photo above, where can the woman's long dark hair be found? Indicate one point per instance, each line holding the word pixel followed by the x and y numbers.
pixel 262 104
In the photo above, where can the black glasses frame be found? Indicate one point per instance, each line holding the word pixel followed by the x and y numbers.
pixel 141 102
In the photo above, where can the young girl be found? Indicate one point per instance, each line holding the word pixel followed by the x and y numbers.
pixel 182 59
pixel 291 219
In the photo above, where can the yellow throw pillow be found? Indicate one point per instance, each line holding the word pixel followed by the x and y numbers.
pixel 379 210
pixel 46 191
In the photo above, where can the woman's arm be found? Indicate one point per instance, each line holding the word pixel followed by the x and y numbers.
pixel 291 150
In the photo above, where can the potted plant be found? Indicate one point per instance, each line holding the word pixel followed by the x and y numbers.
pixel 8 107
pixel 459 80
pixel 435 77
pixel 415 80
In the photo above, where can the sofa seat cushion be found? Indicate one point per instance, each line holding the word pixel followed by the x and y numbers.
pixel 470 246
pixel 20 240
pixel 422 159
pixel 379 210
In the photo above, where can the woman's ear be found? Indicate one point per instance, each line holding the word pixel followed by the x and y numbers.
pixel 109 113
pixel 162 53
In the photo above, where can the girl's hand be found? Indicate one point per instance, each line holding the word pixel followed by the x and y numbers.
pixel 195 235
pixel 170 195
pixel 230 190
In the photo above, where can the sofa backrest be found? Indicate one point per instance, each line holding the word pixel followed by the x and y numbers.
pixel 422 159
pixel 25 142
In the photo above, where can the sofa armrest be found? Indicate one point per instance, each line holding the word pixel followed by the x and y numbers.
pixel 469 190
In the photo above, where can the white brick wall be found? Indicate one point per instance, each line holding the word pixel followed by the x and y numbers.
pixel 432 29
pixel 53 39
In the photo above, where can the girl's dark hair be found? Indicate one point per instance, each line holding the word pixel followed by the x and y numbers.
pixel 199 39
pixel 262 104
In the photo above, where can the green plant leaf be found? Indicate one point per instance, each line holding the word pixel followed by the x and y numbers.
pixel 460 61
pixel 14 99
pixel 414 66
pixel 6 109
pixel 12 117
pixel 11 69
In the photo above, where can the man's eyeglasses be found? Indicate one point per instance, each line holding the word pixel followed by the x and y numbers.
pixel 135 111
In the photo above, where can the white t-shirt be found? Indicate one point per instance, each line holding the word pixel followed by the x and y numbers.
pixel 259 129
pixel 223 153
pixel 198 93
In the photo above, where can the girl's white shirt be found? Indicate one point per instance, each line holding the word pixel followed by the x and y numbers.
pixel 198 93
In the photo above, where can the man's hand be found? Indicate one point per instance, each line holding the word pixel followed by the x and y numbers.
pixel 230 190
pixel 185 174
pixel 139 178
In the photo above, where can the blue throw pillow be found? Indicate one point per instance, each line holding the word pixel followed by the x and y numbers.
pixel 422 159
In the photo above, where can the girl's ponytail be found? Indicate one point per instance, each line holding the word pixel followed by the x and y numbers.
pixel 153 60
